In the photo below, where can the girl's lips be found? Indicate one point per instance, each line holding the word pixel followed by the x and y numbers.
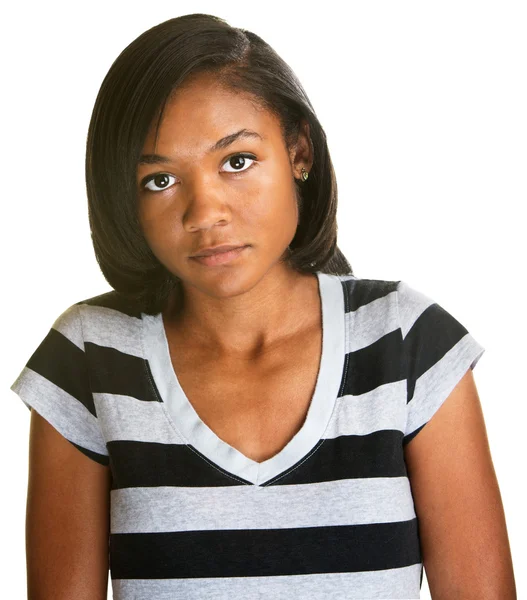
pixel 219 258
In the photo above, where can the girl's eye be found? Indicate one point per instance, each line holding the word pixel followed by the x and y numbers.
pixel 238 160
pixel 162 180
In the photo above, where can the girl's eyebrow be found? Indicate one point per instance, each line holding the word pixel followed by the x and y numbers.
pixel 155 159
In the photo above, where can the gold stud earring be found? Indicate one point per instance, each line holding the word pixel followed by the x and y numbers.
pixel 305 174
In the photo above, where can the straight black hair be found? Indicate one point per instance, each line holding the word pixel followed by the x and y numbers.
pixel 143 78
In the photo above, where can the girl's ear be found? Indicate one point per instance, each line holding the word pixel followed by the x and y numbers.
pixel 302 154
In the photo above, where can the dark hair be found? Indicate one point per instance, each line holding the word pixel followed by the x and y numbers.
pixel 135 91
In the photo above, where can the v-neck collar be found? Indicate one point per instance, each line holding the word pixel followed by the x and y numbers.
pixel 187 422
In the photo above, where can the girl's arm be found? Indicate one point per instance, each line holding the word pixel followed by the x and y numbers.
pixel 457 500
pixel 67 519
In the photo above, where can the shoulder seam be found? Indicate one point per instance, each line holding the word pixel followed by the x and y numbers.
pixel 79 314
pixel 402 358
pixel 397 307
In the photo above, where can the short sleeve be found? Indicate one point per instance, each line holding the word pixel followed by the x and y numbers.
pixel 55 382
pixel 437 350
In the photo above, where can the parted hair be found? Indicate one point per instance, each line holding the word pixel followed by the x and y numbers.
pixel 133 94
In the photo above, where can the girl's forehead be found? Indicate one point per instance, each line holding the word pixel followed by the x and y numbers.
pixel 210 123
pixel 149 157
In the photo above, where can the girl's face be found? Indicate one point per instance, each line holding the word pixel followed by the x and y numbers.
pixel 220 174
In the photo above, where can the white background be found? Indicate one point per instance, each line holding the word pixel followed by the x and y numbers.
pixel 424 106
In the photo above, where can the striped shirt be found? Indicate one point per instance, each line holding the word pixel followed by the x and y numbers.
pixel 330 516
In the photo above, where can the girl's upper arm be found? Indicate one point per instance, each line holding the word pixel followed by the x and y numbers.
pixel 67 518
pixel 458 504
